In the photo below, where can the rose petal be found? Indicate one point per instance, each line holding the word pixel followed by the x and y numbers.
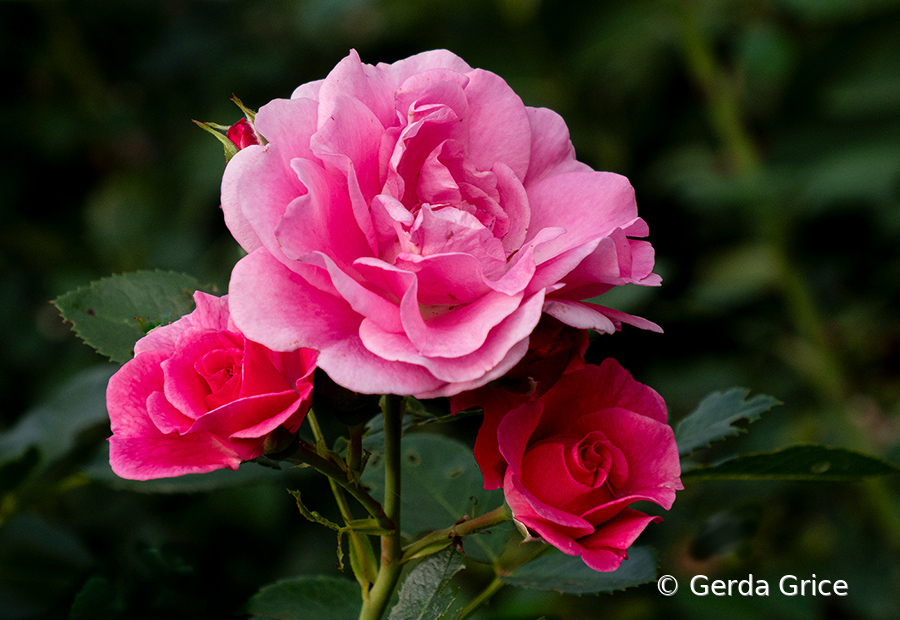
pixel 589 205
pixel 251 417
pixel 163 456
pixel 499 129
pixel 606 548
pixel 551 149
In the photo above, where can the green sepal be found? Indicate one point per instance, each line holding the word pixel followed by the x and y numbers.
pixel 313 515
pixel 215 129
pixel 250 114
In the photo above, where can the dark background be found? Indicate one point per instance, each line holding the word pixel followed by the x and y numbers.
pixel 763 140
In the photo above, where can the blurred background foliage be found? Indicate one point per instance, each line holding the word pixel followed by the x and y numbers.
pixel 763 140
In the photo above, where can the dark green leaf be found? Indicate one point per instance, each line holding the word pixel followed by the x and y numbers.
pixel 569 574
pixel 441 483
pixel 715 416
pixel 425 594
pixel 302 598
pixel 97 600
pixel 53 427
pixel 113 313
pixel 807 463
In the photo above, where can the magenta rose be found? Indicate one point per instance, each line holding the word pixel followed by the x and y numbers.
pixel 572 461
pixel 412 221
pixel 199 396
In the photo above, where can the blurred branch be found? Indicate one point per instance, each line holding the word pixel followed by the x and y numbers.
pixel 820 363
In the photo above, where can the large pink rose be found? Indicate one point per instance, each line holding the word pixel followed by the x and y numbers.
pixel 413 221
pixel 199 396
pixel 572 461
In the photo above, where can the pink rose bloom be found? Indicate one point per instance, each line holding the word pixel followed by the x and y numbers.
pixel 571 461
pixel 413 221
pixel 199 396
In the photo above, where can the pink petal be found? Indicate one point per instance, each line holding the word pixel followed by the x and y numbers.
pixel 364 83
pixel 210 311
pixel 256 190
pixel 458 331
pixel 544 519
pixel 128 390
pixel 495 402
pixel 252 417
pixel 514 199
pixel 349 138
pixel 551 149
pixel 165 417
pixel 259 373
pixel 512 357
pixel 164 456
pixel 546 476
pixel 238 169
pixel 591 316
pixel 606 548
pixel 267 300
pixel 321 220
pixel 185 388
pixel 499 129
pixel 348 363
pixel 589 205
pixel 400 71
pixel 472 367
pixel 611 387
pixel 446 279
pixel 289 123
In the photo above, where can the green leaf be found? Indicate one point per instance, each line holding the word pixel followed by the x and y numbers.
pixel 113 313
pixel 441 483
pixel 301 598
pixel 804 463
pixel 53 427
pixel 97 600
pixel 425 594
pixel 715 416
pixel 569 574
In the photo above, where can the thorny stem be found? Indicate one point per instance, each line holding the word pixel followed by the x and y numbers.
pixel 307 455
pixel 391 552
pixel 361 560
pixel 435 541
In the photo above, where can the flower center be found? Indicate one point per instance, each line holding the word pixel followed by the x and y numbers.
pixel 221 369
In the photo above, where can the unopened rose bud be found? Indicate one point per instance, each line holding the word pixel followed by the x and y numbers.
pixel 242 134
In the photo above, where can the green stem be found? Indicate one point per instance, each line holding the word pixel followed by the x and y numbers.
pixel 435 541
pixel 354 450
pixel 391 552
pixel 362 559
pixel 307 455
pixel 482 598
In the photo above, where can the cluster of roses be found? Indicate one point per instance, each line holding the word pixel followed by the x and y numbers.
pixel 415 229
